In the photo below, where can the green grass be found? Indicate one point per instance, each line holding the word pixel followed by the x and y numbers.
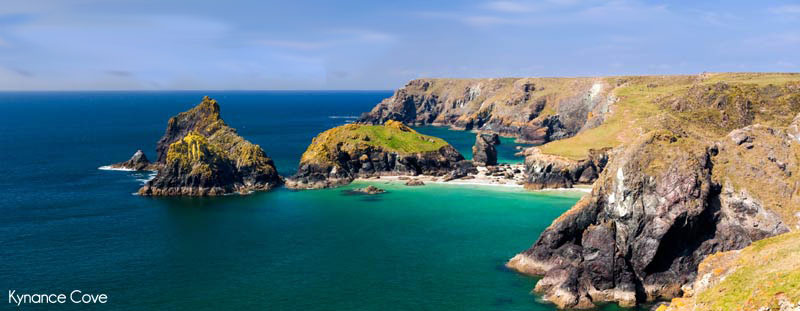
pixel 763 271
pixel 393 136
pixel 640 108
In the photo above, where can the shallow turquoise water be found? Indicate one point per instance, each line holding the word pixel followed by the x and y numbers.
pixel 67 225
pixel 464 140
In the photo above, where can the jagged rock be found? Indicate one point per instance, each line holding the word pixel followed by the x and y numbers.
pixel 460 170
pixel 339 155
pixel 484 152
pixel 415 182
pixel 521 108
pixel 550 171
pixel 659 207
pixel 368 190
pixel 200 155
pixel 138 162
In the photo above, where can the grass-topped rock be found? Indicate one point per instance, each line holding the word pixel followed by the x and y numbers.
pixel 200 155
pixel 341 154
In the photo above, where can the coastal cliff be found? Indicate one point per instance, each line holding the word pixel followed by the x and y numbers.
pixel 341 154
pixel 535 110
pixel 200 155
pixel 699 165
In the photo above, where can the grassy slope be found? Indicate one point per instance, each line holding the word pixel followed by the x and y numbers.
pixel 757 276
pixel 638 111
pixel 392 136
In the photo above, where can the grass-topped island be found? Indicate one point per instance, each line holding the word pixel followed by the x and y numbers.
pixel 341 154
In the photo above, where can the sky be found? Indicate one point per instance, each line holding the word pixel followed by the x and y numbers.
pixel 365 45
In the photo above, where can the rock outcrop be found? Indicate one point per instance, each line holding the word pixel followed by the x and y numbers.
pixel 200 155
pixel 552 171
pixel 661 205
pixel 138 162
pixel 763 277
pixel 484 151
pixel 535 110
pixel 339 155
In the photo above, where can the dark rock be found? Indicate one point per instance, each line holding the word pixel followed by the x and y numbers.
pixel 415 182
pixel 138 162
pixel 200 155
pixel 549 171
pixel 484 152
pixel 368 190
pixel 657 209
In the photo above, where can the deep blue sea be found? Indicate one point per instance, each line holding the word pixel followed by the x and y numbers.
pixel 66 225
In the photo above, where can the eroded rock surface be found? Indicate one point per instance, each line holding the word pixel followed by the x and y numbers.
pixel 137 162
pixel 484 151
pixel 552 171
pixel 200 155
pixel 660 206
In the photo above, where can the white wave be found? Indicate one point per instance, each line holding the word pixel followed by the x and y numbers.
pixel 343 117
pixel 149 177
pixel 109 168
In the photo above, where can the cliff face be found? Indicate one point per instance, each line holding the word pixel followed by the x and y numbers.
pixel 535 110
pixel 201 155
pixel 552 171
pixel 339 155
pixel 662 205
pixel 715 169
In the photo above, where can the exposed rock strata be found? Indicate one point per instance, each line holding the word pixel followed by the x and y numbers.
pixel 483 152
pixel 535 110
pixel 339 155
pixel 551 171
pixel 200 155
pixel 662 204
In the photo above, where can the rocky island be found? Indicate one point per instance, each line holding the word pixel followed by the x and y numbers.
pixel 200 155
pixel 342 154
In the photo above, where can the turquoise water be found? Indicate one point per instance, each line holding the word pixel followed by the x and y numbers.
pixel 463 142
pixel 67 225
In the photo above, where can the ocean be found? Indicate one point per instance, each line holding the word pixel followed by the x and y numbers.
pixel 67 225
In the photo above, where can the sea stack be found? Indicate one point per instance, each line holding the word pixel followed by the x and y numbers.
pixel 138 162
pixel 200 155
pixel 341 154
pixel 483 152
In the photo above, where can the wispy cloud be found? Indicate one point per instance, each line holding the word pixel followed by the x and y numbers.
pixel 791 9
pixel 511 6
pixel 297 45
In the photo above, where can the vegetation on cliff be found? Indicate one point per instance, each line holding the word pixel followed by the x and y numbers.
pixel 201 155
pixel 762 276
pixel 393 136
pixel 700 165
pixel 339 155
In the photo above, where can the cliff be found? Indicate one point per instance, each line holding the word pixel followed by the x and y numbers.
pixel 341 154
pixel 535 110
pixel 699 165
pixel 200 155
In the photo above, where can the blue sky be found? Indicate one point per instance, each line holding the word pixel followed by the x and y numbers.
pixel 198 44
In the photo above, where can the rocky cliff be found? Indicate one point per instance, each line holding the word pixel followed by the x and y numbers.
pixel 339 155
pixel 700 165
pixel 535 110
pixel 200 155
pixel 552 171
